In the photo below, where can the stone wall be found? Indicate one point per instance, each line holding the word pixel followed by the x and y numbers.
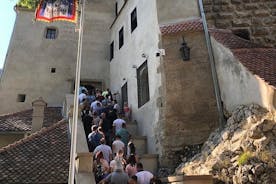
pixel 189 112
pixel 256 17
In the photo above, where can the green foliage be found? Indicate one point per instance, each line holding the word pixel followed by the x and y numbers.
pixel 30 4
pixel 243 158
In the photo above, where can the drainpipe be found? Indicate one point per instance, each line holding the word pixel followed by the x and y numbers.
pixel 213 67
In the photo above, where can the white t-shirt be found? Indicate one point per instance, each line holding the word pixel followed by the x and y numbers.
pixel 81 97
pixel 144 177
pixel 105 149
pixel 117 123
pixel 117 145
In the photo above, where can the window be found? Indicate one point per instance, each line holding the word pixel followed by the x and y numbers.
pixel 116 9
pixel 51 33
pixel 133 19
pixel 121 37
pixel 143 84
pixel 21 98
pixel 111 50
pixel 242 33
pixel 53 70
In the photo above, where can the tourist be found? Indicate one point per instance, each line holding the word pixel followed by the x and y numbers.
pixel 94 138
pixel 131 166
pixel 123 132
pixel 117 124
pixel 143 177
pixel 117 145
pixel 107 153
pixel 82 95
pixel 101 167
pixel 118 176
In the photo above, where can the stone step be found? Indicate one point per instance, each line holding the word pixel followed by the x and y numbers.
pixel 132 128
pixel 150 162
pixel 188 179
pixel 140 143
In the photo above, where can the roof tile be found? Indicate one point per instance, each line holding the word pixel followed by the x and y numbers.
pixel 184 26
pixel 42 157
pixel 257 59
pixel 22 121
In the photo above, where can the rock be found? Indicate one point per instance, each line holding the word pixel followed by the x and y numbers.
pixel 249 129
pixel 255 133
pixel 251 178
pixel 267 125
pixel 244 179
pixel 258 169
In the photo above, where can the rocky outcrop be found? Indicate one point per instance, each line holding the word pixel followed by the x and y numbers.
pixel 244 152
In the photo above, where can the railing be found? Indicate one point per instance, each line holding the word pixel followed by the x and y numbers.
pixel 84 159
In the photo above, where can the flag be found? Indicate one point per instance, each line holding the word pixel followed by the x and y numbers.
pixel 53 10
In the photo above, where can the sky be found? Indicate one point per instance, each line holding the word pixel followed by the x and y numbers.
pixel 7 18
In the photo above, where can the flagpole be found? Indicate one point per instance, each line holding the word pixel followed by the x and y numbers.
pixel 72 167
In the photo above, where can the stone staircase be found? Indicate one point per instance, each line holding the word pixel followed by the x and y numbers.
pixel 149 161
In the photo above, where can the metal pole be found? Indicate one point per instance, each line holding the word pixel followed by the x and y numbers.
pixel 213 67
pixel 76 101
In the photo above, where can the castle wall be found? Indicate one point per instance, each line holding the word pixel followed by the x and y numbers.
pixel 256 17
pixel 95 62
pixel 29 60
pixel 123 67
pixel 31 56
pixel 175 10
pixel 238 85
pixel 190 112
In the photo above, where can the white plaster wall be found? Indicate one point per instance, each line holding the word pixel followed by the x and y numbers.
pixel 120 4
pixel 176 10
pixel 95 62
pixel 31 57
pixel 144 39
pixel 29 60
pixel 237 84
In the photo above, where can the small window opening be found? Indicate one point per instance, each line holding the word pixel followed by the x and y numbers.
pixel 53 70
pixel 116 9
pixel 133 20
pixel 121 37
pixel 51 33
pixel 242 33
pixel 21 98
pixel 111 50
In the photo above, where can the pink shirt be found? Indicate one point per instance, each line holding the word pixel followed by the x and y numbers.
pixel 130 170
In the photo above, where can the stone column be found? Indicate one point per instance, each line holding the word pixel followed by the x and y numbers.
pixel 38 114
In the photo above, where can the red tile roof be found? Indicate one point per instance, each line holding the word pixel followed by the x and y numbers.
pixel 42 157
pixel 231 41
pixel 22 121
pixel 257 59
pixel 184 26
pixel 260 61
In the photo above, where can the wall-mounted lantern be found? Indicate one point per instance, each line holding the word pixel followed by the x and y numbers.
pixel 185 51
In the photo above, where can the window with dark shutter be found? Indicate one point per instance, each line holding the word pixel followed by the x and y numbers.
pixel 121 37
pixel 143 84
pixel 111 50
pixel 133 20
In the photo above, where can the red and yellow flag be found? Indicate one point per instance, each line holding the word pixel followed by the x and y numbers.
pixel 53 10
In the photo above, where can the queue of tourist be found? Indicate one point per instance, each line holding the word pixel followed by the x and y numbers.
pixel 115 159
